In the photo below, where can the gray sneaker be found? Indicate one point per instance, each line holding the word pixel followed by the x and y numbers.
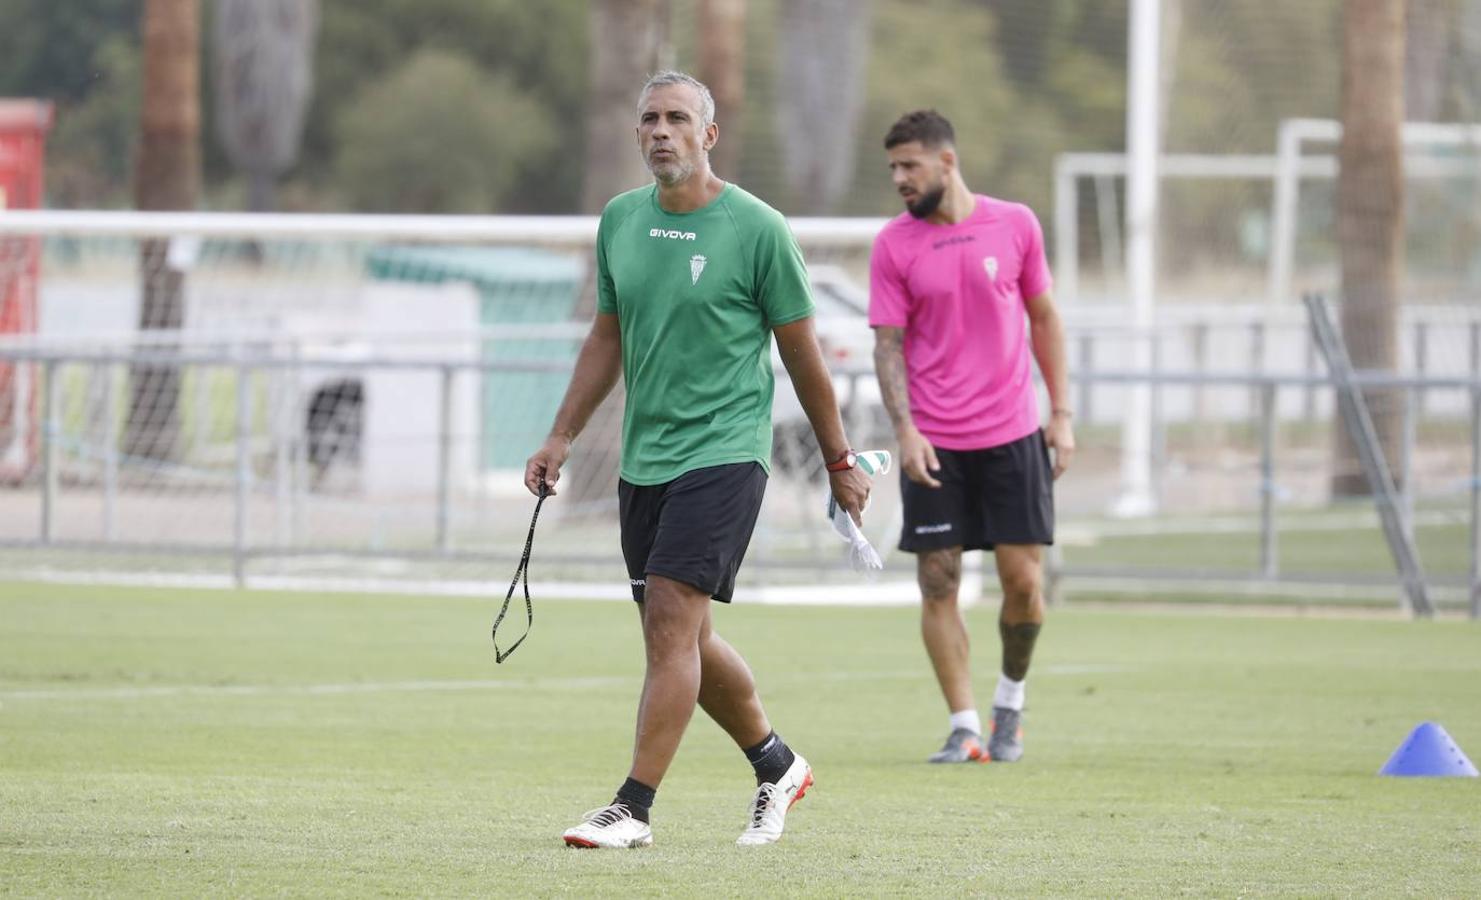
pixel 1006 742
pixel 962 745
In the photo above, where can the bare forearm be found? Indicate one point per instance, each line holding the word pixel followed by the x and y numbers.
pixel 889 365
pixel 815 391
pixel 597 368
pixel 1047 338
pixel 803 360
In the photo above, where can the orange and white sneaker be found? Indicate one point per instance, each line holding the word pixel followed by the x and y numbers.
pixel 610 827
pixel 962 745
pixel 768 813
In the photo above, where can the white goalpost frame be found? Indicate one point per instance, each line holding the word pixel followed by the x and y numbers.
pixel 1290 169
pixel 186 229
pixel 1285 168
pixel 572 232
pixel 1069 168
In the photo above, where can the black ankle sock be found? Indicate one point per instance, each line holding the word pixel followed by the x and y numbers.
pixel 770 758
pixel 637 797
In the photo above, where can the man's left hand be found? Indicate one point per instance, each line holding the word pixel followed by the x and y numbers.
pixel 851 490
pixel 1059 434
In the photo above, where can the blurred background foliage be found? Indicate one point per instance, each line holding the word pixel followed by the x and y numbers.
pixel 481 105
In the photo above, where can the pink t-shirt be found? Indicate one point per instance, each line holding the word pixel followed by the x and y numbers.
pixel 959 293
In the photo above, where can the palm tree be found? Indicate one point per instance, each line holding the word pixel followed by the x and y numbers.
pixel 167 178
pixel 264 77
pixel 722 66
pixel 1370 214
pixel 629 41
pixel 823 45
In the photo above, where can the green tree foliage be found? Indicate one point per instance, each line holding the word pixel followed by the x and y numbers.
pixel 83 54
pixel 1068 57
pixel 1227 98
pixel 438 135
pixel 539 50
pixel 53 49
pixel 1242 68
pixel 1023 80
pixel 908 71
pixel 84 57
pixel 1066 62
pixel 91 147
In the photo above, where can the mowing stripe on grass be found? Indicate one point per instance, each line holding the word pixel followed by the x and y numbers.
pixel 391 687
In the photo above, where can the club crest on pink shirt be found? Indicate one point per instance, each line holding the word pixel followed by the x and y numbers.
pixel 991 265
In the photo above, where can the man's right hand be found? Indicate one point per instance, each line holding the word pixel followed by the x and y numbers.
pixel 546 464
pixel 851 489
pixel 918 458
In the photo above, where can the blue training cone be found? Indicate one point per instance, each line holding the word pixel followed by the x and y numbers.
pixel 1429 751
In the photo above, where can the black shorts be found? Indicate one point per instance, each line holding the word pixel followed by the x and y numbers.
pixel 1001 495
pixel 694 529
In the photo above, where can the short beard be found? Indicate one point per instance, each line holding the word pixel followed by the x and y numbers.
pixel 670 174
pixel 928 203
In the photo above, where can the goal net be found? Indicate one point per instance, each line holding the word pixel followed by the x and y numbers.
pixel 353 397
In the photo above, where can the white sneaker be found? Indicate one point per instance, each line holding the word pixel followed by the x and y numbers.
pixel 769 807
pixel 610 826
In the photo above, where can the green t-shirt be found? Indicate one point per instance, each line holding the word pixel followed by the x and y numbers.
pixel 696 295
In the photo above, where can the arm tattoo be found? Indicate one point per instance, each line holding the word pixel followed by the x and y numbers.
pixel 1018 647
pixel 889 363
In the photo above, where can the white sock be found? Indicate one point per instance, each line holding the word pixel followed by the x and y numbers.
pixel 1009 694
pixel 967 719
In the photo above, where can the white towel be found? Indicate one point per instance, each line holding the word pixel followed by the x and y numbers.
pixel 862 555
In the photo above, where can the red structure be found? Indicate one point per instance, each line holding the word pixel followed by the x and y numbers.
pixel 23 128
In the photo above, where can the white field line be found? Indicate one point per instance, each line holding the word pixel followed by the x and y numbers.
pixel 895 593
pixel 892 593
pixel 432 686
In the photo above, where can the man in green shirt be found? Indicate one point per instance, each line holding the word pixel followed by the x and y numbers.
pixel 694 278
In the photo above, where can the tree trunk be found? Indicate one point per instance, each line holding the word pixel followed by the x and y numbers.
pixel 820 96
pixel 262 190
pixel 263 54
pixel 167 178
pixel 722 66
pixel 1370 216
pixel 629 41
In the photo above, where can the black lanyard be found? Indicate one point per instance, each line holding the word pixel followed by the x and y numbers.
pixel 521 573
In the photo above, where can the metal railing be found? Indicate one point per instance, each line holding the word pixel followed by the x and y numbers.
pixel 266 466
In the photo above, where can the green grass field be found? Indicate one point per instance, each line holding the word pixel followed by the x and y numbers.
pixel 175 743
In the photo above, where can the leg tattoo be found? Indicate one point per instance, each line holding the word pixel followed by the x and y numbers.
pixel 1018 646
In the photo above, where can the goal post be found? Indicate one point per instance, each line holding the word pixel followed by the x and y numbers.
pixel 366 385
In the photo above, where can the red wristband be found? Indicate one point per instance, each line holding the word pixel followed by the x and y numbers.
pixel 847 461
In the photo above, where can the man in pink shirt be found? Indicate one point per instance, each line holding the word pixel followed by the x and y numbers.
pixel 959 299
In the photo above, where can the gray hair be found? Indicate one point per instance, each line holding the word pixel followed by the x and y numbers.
pixel 669 77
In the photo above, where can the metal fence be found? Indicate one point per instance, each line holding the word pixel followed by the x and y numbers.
pixel 353 462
